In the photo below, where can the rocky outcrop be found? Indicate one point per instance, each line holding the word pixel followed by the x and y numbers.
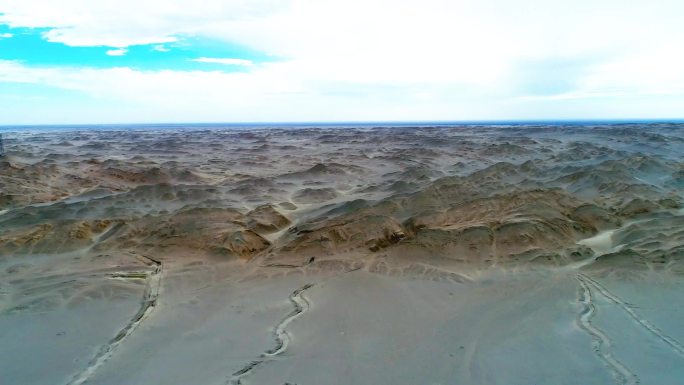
pixel 266 219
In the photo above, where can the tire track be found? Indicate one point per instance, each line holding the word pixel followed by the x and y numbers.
pixel 675 345
pixel 600 341
pixel 282 337
pixel 147 306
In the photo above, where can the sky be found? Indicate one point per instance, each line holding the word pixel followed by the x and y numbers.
pixel 125 61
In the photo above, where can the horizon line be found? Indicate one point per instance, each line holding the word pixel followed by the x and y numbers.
pixel 356 122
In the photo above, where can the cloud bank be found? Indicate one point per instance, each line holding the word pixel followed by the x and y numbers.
pixel 386 60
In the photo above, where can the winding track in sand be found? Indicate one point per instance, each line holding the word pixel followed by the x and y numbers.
pixel 675 345
pixel 282 338
pixel 146 307
pixel 600 341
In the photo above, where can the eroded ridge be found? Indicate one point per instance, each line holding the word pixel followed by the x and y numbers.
pixel 146 307
pixel 300 305
pixel 600 341
pixel 675 345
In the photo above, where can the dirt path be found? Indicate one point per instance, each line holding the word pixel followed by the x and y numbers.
pixel 675 345
pixel 600 341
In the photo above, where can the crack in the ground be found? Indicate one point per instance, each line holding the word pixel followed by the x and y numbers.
pixel 149 302
pixel 282 337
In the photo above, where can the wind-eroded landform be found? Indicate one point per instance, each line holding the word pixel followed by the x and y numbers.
pixel 520 254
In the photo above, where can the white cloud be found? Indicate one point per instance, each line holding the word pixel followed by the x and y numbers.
pixel 123 23
pixel 269 93
pixel 362 57
pixel 6 35
pixel 117 52
pixel 408 41
pixel 226 61
pixel 158 88
pixel 659 70
pixel 161 48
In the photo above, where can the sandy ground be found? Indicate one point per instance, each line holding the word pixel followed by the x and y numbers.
pixel 56 316
pixel 503 328
pixel 372 255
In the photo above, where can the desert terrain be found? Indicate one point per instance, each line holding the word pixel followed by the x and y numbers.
pixel 321 255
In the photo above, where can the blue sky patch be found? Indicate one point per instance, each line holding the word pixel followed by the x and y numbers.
pixel 28 46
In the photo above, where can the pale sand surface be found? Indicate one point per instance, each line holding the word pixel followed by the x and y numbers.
pixel 503 328
pixel 55 316
pixel 647 356
pixel 48 348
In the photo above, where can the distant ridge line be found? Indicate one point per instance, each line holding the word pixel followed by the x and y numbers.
pixel 340 124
